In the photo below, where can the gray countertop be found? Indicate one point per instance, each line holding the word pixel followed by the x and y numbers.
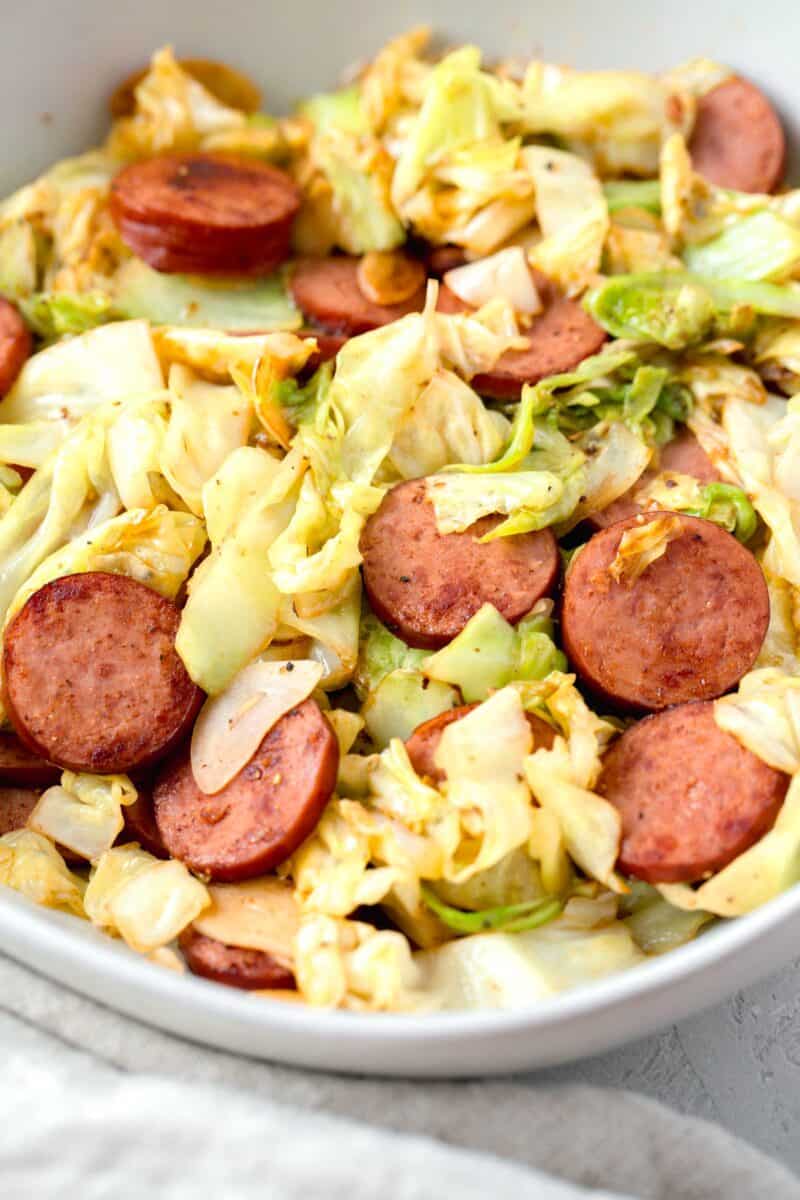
pixel 737 1064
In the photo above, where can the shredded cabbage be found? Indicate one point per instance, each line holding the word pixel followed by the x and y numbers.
pixel 141 899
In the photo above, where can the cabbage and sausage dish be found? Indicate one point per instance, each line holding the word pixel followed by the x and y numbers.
pixel 400 525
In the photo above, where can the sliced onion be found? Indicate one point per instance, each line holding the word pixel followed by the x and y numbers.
pixel 505 274
pixel 261 914
pixel 232 725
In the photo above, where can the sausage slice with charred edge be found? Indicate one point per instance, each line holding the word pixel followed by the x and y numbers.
pixel 561 337
pixel 424 585
pixel 205 213
pixel 691 797
pixel 688 628
pixel 738 140
pixel 260 818
pixel 231 965
pixel 19 765
pixel 91 677
pixel 327 292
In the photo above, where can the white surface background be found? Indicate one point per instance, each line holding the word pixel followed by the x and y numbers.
pixel 737 1064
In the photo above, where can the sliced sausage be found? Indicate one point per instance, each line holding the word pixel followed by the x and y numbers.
pixel 205 213
pixel 92 680
pixel 738 141
pixel 19 765
pixel 688 628
pixel 140 823
pixel 248 969
pixel 260 818
pixel 328 346
pixel 441 259
pixel 424 741
pixel 424 586
pixel 684 455
pixel 16 805
pixel 16 344
pixel 690 796
pixel 326 290
pixel 561 337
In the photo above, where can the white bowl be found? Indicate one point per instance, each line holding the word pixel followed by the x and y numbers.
pixel 59 60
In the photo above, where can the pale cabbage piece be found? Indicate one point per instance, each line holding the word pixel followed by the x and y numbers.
pixel 141 899
pixel 346 725
pixel 697 76
pixel 615 460
pixel 31 443
pixel 515 879
pixel 448 423
pixel 84 812
pixel 483 768
pixel 72 245
pixel 403 700
pixel 763 444
pixel 458 177
pixel 503 274
pixel 637 243
pixel 514 970
pixel 349 964
pixel 207 422
pixel 135 445
pixel 758 875
pixel 319 549
pixel 222 356
pixel 72 490
pixel 333 632
pixel 350 203
pixel 618 119
pixel 18 265
pixel 782 643
pixel 776 354
pixel 233 608
pixel 332 871
pixel 258 914
pixel 31 865
pixel 562 781
pixel 572 213
pixel 231 726
pixel 459 500
pixel 394 81
pixel 642 545
pixel 764 715
pixel 174 113
pixel 71 378
pixel 156 548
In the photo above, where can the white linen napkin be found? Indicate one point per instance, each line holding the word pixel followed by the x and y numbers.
pixel 94 1101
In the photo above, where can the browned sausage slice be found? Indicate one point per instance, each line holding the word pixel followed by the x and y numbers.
pixel 205 213
pixel 688 628
pixel 92 680
pixel 328 346
pixel 16 805
pixel 140 824
pixel 557 341
pixel 738 141
pixel 260 818
pixel 690 796
pixel 441 259
pixel 19 765
pixel 684 455
pixel 248 969
pixel 424 741
pixel 424 586
pixel 326 290
pixel 15 344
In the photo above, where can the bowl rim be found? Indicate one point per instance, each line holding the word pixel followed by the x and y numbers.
pixel 67 938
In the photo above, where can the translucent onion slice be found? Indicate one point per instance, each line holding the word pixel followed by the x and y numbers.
pixel 231 726
pixel 261 914
pixel 505 274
